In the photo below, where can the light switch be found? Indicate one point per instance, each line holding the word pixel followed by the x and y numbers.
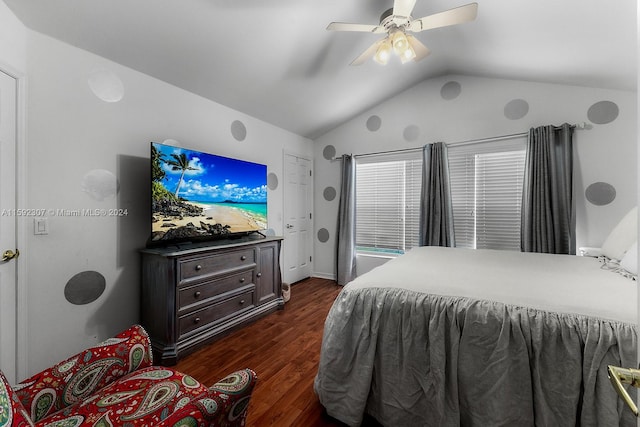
pixel 40 226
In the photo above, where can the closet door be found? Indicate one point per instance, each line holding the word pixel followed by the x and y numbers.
pixel 297 218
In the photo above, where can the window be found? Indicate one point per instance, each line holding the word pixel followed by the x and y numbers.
pixel 486 192
pixel 387 202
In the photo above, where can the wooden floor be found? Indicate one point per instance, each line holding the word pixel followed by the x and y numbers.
pixel 283 348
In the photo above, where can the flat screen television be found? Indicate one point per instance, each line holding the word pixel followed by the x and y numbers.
pixel 198 196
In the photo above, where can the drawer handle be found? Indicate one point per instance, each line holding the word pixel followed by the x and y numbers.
pixel 198 267
pixel 243 258
pixel 241 302
pixel 242 280
pixel 196 320
pixel 259 274
pixel 197 294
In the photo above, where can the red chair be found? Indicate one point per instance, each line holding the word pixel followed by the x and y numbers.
pixel 115 384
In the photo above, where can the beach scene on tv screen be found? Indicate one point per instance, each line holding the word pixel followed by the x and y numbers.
pixel 200 195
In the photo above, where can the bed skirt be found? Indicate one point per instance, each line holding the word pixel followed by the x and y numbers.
pixel 415 359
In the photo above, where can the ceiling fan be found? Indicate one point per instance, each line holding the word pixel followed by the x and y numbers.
pixel 396 23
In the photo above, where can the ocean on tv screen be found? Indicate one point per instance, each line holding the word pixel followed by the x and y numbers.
pixel 197 195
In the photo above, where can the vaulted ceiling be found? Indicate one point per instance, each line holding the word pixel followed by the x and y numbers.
pixel 274 59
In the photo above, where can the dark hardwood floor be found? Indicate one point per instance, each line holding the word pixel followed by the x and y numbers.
pixel 283 348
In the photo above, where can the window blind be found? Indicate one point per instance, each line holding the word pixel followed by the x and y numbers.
pixel 387 201
pixel 486 192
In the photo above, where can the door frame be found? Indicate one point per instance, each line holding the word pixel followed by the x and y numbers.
pixel 309 158
pixel 21 222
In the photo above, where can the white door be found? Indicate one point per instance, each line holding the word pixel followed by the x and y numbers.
pixel 297 219
pixel 8 221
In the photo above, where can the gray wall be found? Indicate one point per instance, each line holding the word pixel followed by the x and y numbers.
pixel 83 152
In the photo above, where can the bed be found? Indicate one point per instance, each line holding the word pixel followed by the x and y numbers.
pixel 460 337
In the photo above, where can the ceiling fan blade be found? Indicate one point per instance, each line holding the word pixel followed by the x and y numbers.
pixel 454 16
pixel 420 49
pixel 371 50
pixel 403 7
pixel 344 26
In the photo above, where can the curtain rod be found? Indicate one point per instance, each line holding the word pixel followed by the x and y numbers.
pixel 467 142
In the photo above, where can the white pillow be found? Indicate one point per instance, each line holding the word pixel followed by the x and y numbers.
pixel 622 236
pixel 630 260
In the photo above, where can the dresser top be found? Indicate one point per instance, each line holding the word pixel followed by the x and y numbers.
pixel 179 249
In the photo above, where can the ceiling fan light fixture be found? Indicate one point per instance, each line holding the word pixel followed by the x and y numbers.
pixel 383 53
pixel 399 42
pixel 408 54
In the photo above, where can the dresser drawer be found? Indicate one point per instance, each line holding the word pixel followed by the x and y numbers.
pixel 210 291
pixel 197 268
pixel 216 312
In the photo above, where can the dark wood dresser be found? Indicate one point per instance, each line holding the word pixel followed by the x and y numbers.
pixel 193 293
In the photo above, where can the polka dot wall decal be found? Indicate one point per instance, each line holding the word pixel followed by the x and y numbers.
pixel 374 123
pixel 603 112
pixel 85 287
pixel 100 184
pixel 106 85
pixel 329 152
pixel 516 109
pixel 411 133
pixel 600 193
pixel 323 235
pixel 450 90
pixel 329 194
pixel 272 181
pixel 238 130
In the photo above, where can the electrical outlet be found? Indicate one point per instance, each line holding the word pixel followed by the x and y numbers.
pixel 40 226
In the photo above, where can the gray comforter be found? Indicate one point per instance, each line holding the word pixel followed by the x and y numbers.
pixel 416 359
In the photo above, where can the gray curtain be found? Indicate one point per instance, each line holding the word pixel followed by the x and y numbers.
pixel 436 213
pixel 346 262
pixel 548 213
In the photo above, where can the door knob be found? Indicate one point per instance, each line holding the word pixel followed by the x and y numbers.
pixel 289 226
pixel 619 376
pixel 9 255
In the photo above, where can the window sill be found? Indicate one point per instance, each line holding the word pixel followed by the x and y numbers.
pixel 376 254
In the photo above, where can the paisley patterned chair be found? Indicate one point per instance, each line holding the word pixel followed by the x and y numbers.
pixel 115 384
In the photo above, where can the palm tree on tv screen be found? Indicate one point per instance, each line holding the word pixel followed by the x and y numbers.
pixel 180 163
pixel 157 174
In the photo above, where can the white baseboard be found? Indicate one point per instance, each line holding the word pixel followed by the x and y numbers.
pixel 320 275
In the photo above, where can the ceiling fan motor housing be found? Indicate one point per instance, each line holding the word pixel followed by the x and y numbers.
pixel 387 13
pixel 388 20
